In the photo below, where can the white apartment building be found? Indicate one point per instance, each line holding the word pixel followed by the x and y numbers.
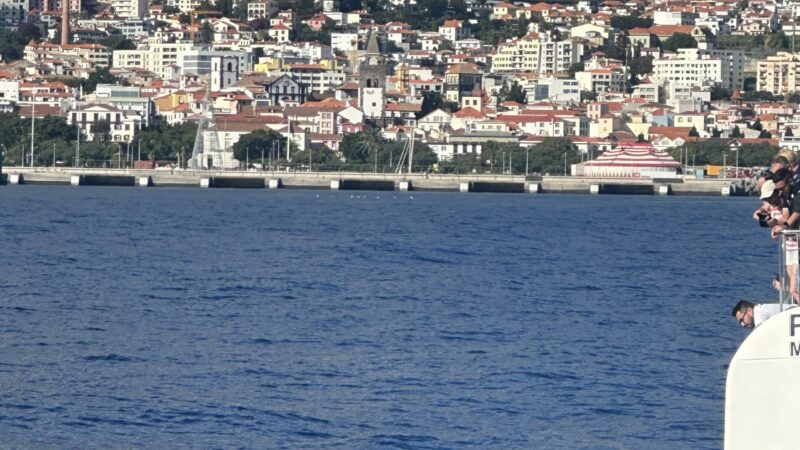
pixel 9 95
pixel 258 10
pixel 13 13
pixel 536 53
pixel 155 57
pixel 733 63
pixel 611 79
pixel 122 125
pixel 454 30
pixel 779 74
pixel 124 98
pixel 344 42
pixel 673 18
pixel 690 72
pixel 130 9
pixel 553 89
pixel 198 61
pixel 96 54
pixel 186 6
pixel 315 78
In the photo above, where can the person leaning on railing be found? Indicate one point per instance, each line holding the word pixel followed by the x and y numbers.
pixel 782 178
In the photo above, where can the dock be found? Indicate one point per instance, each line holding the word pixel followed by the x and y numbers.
pixel 531 184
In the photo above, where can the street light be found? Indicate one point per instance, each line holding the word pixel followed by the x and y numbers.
pixel 724 165
pixel 737 163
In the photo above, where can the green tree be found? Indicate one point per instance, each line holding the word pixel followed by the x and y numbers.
pixel 431 101
pixel 718 92
pixel 641 66
pixel 548 156
pixel 206 33
pixel 735 132
pixel 12 45
pixel 370 141
pixel 765 134
pixel 512 93
pixel 630 22
pixel 707 151
pixel 693 132
pixel 250 146
pixel 318 155
pixel 101 75
pixel 760 154
pixel 167 142
pixel 118 42
pixel 679 40
pixel 101 131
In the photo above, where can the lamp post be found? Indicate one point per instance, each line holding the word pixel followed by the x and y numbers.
pixel 527 152
pixel 737 163
pixel 565 163
pixel 724 165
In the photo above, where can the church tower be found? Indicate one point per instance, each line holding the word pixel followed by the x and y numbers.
pixel 372 80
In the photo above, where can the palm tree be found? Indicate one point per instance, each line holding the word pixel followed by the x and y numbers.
pixel 370 142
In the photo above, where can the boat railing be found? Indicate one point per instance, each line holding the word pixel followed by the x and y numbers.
pixel 788 273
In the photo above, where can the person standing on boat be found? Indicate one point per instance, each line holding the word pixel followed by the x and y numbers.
pixel 750 315
pixel 789 220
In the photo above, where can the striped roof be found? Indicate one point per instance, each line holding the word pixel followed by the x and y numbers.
pixel 634 155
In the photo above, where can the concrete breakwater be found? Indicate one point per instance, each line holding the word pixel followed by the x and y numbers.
pixel 375 181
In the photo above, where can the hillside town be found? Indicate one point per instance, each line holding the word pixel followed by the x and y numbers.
pixel 324 84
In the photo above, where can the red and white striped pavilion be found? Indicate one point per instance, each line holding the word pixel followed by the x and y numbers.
pixel 632 161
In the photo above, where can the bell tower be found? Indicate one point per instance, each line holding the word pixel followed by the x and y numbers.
pixel 372 79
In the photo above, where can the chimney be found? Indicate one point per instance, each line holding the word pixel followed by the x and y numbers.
pixel 64 22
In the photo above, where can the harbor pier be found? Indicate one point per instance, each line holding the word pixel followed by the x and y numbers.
pixel 533 184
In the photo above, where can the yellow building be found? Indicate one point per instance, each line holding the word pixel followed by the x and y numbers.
pixel 520 54
pixel 171 101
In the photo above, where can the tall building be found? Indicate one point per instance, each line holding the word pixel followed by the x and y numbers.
pixel 462 80
pixel 130 9
pixel 224 72
pixel 372 79
pixel 12 13
pixel 779 74
pixel 690 71
pixel 537 52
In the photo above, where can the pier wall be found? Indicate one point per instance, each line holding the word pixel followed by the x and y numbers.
pixel 376 181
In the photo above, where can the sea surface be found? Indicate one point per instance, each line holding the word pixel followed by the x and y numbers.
pixel 189 318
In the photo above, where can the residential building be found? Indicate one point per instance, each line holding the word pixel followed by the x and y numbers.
pixel 690 71
pixel 611 79
pixel 157 57
pixel 104 122
pixel 454 30
pixel 536 52
pixel 125 98
pixel 13 13
pixel 779 74
pixel 130 9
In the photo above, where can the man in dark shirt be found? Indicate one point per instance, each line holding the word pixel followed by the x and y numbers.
pixel 783 186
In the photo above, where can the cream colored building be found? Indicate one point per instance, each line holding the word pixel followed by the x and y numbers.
pixel 157 58
pixel 779 74
pixel 690 71
pixel 537 53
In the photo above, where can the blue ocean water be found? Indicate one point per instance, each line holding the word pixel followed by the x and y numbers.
pixel 170 318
